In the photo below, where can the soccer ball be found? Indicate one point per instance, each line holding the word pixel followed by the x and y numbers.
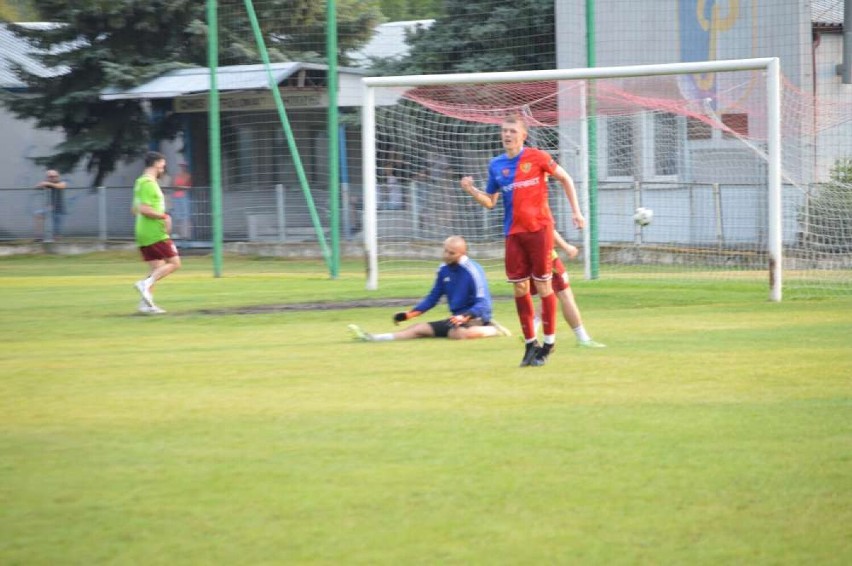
pixel 643 216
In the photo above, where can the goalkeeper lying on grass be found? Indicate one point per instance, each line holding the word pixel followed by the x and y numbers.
pixel 463 282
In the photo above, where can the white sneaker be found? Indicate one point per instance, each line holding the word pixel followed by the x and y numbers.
pixel 145 291
pixel 359 334
pixel 500 328
pixel 144 308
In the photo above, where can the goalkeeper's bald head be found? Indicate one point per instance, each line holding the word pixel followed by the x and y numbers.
pixel 455 247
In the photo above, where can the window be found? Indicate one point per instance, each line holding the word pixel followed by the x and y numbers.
pixel 698 130
pixel 736 122
pixel 666 144
pixel 647 146
pixel 619 147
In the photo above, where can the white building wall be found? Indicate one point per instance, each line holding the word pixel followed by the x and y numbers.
pixel 631 32
pixel 835 141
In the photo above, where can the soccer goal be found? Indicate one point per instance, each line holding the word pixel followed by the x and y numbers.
pixel 700 144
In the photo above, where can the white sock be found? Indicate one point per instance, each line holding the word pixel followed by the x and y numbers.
pixel 581 334
pixel 385 337
pixel 550 338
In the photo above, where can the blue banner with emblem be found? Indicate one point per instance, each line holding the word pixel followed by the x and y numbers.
pixel 702 25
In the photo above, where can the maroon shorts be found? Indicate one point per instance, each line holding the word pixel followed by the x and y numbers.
pixel 164 249
pixel 560 280
pixel 529 254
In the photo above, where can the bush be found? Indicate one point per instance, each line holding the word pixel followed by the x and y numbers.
pixel 828 217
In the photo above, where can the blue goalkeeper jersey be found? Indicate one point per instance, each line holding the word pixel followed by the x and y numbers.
pixel 465 287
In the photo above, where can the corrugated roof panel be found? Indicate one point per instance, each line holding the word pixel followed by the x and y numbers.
pixel 197 79
pixel 827 12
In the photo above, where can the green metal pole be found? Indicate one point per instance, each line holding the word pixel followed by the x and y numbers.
pixel 288 131
pixel 214 136
pixel 333 137
pixel 594 246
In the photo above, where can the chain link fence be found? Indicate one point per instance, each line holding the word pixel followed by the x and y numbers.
pixel 277 214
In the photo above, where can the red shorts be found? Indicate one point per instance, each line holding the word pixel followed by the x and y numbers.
pixel 164 249
pixel 529 254
pixel 560 280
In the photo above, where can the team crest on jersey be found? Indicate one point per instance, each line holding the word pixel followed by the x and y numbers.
pixel 525 167
pixel 505 172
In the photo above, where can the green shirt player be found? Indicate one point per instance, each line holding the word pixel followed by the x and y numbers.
pixel 153 226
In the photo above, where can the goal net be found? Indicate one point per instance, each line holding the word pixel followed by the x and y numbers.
pixel 741 178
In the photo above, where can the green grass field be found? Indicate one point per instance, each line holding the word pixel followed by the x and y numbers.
pixel 716 428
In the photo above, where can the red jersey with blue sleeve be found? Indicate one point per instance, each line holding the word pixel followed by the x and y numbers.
pixel 465 287
pixel 522 180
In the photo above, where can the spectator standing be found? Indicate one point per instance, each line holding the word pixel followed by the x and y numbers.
pixel 391 194
pixel 53 205
pixel 181 209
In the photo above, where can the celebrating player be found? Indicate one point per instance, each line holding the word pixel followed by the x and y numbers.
pixel 520 175
pixel 463 282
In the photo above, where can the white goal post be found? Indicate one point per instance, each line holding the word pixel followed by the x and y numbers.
pixel 769 66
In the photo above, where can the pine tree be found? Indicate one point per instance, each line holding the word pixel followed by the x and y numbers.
pixel 100 44
pixel 481 36
pixel 17 11
pixel 400 10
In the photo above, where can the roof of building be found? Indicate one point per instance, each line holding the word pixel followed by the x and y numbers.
pixel 827 12
pixel 194 80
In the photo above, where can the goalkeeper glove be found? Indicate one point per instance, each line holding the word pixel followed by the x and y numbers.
pixel 400 317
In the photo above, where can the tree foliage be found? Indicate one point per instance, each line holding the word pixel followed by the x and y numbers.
pixel 100 44
pixel 17 11
pixel 92 46
pixel 295 29
pixel 401 10
pixel 481 35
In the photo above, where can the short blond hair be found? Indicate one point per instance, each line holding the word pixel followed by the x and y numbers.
pixel 516 118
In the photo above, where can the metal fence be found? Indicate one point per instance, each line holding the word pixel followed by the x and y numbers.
pixel 274 214
pixel 691 214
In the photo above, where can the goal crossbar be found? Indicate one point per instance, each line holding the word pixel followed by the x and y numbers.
pixel 769 65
